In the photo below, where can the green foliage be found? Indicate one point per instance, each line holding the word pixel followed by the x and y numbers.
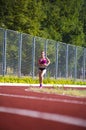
pixel 58 20
pixel 30 80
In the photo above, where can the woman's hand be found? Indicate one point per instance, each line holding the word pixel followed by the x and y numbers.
pixel 45 65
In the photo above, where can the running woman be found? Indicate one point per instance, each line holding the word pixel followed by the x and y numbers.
pixel 43 62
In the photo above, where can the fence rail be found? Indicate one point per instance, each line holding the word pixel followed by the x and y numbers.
pixel 19 55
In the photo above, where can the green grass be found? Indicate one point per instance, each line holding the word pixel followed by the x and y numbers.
pixel 15 79
pixel 30 80
pixel 70 92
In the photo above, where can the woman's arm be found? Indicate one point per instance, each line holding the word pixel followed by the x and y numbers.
pixel 48 61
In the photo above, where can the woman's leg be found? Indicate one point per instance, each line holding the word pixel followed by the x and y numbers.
pixel 41 76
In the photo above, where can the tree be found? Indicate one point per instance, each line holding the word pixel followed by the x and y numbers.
pixel 53 19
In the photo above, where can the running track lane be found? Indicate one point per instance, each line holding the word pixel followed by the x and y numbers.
pixel 19 110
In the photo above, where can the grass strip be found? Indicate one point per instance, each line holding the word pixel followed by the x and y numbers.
pixel 70 92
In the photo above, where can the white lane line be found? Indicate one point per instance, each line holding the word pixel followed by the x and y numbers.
pixel 44 98
pixel 45 116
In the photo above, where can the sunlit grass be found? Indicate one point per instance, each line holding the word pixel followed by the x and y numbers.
pixel 70 92
pixel 30 80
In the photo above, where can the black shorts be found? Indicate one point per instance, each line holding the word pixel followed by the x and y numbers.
pixel 42 69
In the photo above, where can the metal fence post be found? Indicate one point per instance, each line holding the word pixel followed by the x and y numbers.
pixel 67 61
pixel 45 47
pixel 84 60
pixel 4 53
pixel 45 50
pixel 33 58
pixel 75 61
pixel 56 73
pixel 20 55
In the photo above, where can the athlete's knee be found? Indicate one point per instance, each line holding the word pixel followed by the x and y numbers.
pixel 41 75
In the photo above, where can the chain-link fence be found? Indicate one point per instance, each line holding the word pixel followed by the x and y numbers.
pixel 19 55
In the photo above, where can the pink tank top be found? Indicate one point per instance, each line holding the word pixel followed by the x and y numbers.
pixel 42 61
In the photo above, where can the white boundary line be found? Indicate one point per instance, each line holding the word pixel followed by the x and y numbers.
pixel 44 98
pixel 45 116
pixel 50 85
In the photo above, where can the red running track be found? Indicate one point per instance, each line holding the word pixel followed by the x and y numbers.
pixel 26 110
